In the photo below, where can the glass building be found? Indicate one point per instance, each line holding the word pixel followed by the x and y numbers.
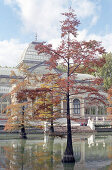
pixel 37 63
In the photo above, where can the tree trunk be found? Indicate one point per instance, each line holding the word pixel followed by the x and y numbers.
pixel 69 166
pixel 68 154
pixel 23 133
pixel 51 130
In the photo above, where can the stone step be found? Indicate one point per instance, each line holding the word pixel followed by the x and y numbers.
pixel 74 129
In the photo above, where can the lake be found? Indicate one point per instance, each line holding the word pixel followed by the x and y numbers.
pixel 42 152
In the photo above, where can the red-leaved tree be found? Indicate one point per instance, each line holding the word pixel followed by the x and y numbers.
pixel 75 56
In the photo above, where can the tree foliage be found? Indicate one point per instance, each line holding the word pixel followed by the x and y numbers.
pixel 73 54
pixel 109 109
pixel 34 99
pixel 20 110
pixel 105 72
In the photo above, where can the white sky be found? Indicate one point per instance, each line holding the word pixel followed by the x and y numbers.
pixel 43 16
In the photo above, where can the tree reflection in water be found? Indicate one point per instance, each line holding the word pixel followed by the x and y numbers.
pixel 15 156
pixel 46 153
pixel 110 156
pixel 46 158
pixel 69 166
pixel 21 155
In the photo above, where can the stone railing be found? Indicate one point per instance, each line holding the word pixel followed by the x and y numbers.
pixel 102 121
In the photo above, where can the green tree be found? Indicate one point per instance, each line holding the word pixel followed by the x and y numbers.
pixel 106 71
pixel 109 109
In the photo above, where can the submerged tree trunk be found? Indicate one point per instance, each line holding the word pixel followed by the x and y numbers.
pixel 51 130
pixel 69 166
pixel 68 154
pixel 23 132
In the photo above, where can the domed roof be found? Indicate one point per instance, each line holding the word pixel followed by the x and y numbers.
pixel 30 54
pixel 8 71
pixel 82 77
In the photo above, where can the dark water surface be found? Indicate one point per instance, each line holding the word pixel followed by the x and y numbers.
pixel 41 152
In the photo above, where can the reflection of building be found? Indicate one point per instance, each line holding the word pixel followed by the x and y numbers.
pixel 25 152
pixel 37 63
pixel 91 152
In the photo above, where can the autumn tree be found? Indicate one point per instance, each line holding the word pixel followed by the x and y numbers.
pixel 50 81
pixel 72 53
pixel 17 157
pixel 34 100
pixel 43 107
pixel 44 95
pixel 22 113
pixel 19 111
pixel 45 99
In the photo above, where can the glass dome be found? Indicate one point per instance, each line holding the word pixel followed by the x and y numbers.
pixel 8 71
pixel 30 54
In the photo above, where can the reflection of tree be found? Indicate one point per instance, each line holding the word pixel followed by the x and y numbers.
pixel 10 161
pixel 50 149
pixel 55 157
pixel 21 155
pixel 5 164
pixel 46 158
pixel 69 166
pixel 16 156
pixel 110 156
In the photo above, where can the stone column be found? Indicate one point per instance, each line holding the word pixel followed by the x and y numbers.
pixel 96 109
pixel 62 106
pixel 45 127
pixel 96 118
pixel 1 108
pixel 71 107
pixel 82 108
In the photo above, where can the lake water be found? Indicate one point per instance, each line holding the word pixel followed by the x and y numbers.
pixel 41 152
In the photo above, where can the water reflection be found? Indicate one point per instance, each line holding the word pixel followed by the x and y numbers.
pixel 91 152
pixel 25 154
pixel 13 155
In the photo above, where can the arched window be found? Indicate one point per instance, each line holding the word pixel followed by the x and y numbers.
pixel 76 103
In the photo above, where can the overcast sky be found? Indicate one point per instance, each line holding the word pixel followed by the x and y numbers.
pixel 21 19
